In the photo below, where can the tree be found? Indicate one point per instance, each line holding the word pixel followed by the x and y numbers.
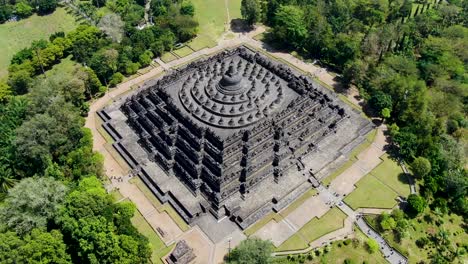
pixel 104 63
pixel 387 222
pixel 112 25
pixel 6 11
pixel 251 250
pixel 251 11
pixel 380 100
pixel 38 247
pixel 46 6
pixel 421 167
pixel 416 204
pixel 98 230
pixel 187 8
pixel 23 10
pixel 385 113
pixel 289 25
pixel 20 81
pixel 372 245
pixel 47 136
pixel 32 203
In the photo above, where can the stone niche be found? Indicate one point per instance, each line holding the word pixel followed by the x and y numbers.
pixel 232 134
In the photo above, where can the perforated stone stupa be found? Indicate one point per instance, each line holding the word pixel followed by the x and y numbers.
pixel 235 135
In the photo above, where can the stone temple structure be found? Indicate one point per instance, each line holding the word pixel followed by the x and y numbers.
pixel 235 135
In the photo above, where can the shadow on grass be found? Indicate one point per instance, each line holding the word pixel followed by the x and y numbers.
pixel 404 178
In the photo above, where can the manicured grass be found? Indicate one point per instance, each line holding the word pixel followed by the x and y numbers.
pixel 117 195
pixel 182 52
pixel 159 206
pixel 314 229
pixel 371 193
pixel 66 66
pixel 318 227
pixel 159 249
pixel 234 8
pixel 354 251
pixel 15 36
pixel 419 227
pixel 201 42
pixel 390 173
pixel 168 57
pixel 212 17
pixel 293 206
pixel 356 151
pixel 295 242
pixel 260 223
pixel 279 216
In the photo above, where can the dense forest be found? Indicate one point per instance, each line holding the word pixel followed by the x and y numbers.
pixel 53 205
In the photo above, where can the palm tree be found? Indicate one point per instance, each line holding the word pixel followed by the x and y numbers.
pixel 7 181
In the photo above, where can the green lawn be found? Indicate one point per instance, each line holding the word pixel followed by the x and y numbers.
pixel 337 252
pixel 182 52
pixel 260 223
pixel 354 251
pixel 168 57
pixel 159 206
pixel 201 42
pixel 380 187
pixel 212 17
pixel 371 193
pixel 279 216
pixel 314 229
pixel 234 9
pixel 66 66
pixel 159 249
pixel 419 227
pixel 15 36
pixel 391 174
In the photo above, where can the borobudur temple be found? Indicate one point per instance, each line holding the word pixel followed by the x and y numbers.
pixel 236 135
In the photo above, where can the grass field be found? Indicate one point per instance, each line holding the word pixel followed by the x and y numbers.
pixel 15 36
pixel 212 17
pixel 159 249
pixel 380 187
pixel 371 193
pixel 234 9
pixel 338 252
pixel 391 174
pixel 182 52
pixel 314 229
pixel 159 206
pixel 279 216
pixel 168 57
pixel 260 223
pixel 419 227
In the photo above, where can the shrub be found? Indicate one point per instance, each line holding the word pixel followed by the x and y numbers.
pixel 347 242
pixel 372 246
pixel 116 79
pixel 422 242
pixel 23 10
